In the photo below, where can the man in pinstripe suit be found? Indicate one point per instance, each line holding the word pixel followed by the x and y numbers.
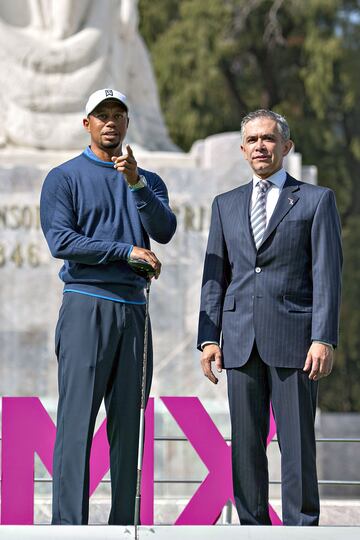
pixel 271 294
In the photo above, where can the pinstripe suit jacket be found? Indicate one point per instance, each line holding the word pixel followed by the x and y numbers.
pixel 283 295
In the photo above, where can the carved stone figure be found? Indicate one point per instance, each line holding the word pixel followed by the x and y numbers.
pixel 53 55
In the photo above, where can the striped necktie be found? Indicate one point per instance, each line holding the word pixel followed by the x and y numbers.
pixel 258 213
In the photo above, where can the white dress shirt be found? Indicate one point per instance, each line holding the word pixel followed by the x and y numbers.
pixel 277 181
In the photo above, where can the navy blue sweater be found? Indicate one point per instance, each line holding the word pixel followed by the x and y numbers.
pixel 91 219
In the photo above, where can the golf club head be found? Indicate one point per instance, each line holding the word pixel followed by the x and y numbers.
pixel 142 268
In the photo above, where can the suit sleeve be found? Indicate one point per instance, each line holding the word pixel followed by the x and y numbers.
pixel 216 277
pixel 326 270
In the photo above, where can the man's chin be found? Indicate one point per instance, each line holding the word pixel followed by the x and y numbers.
pixel 261 170
pixel 110 144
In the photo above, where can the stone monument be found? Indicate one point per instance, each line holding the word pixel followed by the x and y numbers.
pixel 55 54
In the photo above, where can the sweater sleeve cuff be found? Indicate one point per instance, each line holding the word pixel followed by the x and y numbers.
pixel 129 252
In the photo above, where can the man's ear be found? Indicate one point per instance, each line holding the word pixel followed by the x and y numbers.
pixel 242 148
pixel 287 147
pixel 86 123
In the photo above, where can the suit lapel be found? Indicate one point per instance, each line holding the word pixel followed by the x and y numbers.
pixel 244 210
pixel 287 200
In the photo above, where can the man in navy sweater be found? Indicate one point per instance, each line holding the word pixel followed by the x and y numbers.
pixel 98 210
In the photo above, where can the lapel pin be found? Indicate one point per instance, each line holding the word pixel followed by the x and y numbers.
pixel 291 201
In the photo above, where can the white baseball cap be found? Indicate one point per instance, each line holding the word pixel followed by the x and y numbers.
pixel 101 95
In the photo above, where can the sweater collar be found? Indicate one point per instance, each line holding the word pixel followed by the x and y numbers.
pixel 90 154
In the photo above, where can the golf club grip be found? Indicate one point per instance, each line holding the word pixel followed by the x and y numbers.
pixel 142 268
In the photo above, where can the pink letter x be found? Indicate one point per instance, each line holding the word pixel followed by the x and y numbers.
pixel 205 506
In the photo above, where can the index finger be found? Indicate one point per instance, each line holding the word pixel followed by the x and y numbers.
pixel 206 367
pixel 129 150
pixel 314 368
pixel 117 159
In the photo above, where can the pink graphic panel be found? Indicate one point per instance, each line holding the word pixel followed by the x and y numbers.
pixel 28 429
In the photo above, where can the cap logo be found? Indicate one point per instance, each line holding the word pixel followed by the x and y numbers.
pixel 109 93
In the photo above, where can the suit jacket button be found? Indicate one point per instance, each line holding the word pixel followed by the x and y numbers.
pixel 258 270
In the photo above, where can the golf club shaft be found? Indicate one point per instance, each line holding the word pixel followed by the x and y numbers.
pixel 142 413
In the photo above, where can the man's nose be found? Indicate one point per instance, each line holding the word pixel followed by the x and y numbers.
pixel 111 121
pixel 260 144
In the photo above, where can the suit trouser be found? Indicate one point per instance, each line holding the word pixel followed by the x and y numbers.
pixel 293 397
pixel 99 344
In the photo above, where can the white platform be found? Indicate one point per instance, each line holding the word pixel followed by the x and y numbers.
pixel 226 532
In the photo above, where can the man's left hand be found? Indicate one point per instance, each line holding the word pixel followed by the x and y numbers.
pixel 126 164
pixel 319 361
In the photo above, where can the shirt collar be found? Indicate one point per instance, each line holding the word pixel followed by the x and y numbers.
pixel 90 154
pixel 278 179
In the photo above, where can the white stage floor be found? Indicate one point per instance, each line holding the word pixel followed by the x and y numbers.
pixel 162 532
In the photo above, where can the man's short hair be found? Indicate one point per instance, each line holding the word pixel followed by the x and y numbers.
pixel 281 122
